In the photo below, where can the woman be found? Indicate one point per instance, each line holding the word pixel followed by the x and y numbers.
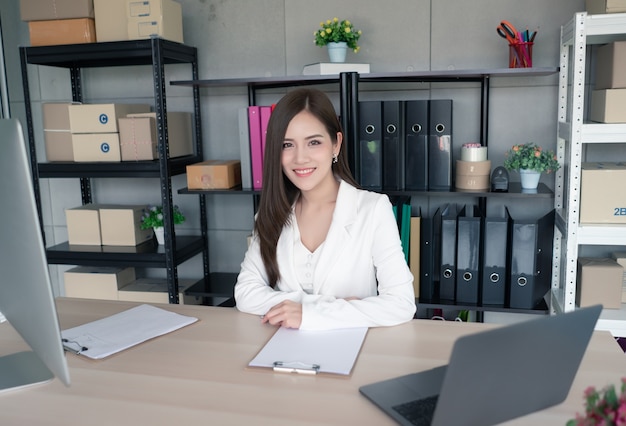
pixel 324 254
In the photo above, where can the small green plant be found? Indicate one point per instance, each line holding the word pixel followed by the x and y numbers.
pixel 603 408
pixel 334 30
pixel 153 217
pixel 531 157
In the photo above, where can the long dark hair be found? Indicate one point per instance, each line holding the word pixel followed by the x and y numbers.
pixel 279 194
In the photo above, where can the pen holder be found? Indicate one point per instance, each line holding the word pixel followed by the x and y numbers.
pixel 521 55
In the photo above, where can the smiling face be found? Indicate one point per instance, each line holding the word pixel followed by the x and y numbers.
pixel 308 151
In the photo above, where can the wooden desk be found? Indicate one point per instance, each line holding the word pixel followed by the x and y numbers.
pixel 198 375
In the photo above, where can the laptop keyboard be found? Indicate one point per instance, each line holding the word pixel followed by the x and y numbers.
pixel 419 412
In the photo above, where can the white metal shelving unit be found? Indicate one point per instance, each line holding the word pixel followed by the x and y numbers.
pixel 573 134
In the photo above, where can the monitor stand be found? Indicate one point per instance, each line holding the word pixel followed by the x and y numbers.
pixel 22 369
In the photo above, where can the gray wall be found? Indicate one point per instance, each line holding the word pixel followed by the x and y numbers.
pixel 246 38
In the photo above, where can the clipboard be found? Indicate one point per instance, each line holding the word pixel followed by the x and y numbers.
pixel 311 351
pixel 107 336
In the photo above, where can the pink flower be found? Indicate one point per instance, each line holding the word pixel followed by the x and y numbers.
pixel 590 391
pixel 603 408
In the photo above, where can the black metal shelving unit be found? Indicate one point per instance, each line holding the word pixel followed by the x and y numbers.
pixel 348 97
pixel 156 53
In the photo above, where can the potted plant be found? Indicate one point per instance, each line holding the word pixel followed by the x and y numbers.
pixel 603 408
pixel 337 36
pixel 153 218
pixel 530 161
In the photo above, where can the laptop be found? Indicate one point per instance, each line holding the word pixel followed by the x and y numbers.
pixel 493 376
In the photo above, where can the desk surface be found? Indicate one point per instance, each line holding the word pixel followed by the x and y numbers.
pixel 198 375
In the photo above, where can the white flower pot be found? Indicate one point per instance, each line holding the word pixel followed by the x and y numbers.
pixel 337 51
pixel 530 178
pixel 159 232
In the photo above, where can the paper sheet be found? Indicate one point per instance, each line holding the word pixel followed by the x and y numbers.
pixel 104 337
pixel 333 351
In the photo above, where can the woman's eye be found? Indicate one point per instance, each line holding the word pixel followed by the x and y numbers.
pixel 315 142
pixel 287 145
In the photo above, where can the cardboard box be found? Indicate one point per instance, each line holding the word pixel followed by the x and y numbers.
pixel 608 106
pixel 58 145
pixel 610 66
pixel 99 147
pixel 111 22
pixel 130 20
pixel 138 136
pixel 214 174
pixel 602 195
pixel 90 282
pixel 56 115
pixel 599 281
pixel 62 31
pixel 605 6
pixel 42 10
pixel 100 118
pixel 56 131
pixel 163 18
pixel 121 226
pixel 154 290
pixel 620 258
pixel 83 225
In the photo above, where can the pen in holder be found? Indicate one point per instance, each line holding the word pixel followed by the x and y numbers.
pixel 521 54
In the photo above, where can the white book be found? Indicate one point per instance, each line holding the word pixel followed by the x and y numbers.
pixel 325 68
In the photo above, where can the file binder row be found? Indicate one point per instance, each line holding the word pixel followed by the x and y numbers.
pixel 467 258
pixel 405 145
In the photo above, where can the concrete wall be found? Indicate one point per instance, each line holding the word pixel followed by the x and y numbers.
pixel 246 38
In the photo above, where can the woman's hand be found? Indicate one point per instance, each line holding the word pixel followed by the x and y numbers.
pixel 286 314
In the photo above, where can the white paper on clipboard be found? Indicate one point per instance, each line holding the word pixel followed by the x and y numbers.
pixel 104 337
pixel 312 351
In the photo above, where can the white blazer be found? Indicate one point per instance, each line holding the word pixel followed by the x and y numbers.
pixel 362 257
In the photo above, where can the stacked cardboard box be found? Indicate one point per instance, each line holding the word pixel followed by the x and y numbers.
pixel 92 282
pixel 111 132
pixel 56 131
pixel 132 20
pixel 138 136
pixel 154 290
pixel 52 22
pixel 95 134
pixel 107 224
pixel 608 99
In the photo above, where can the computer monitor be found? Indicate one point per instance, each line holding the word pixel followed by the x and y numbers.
pixel 26 297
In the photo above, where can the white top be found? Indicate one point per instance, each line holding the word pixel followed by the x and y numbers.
pixel 304 262
pixel 362 258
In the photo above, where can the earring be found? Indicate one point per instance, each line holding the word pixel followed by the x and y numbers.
pixel 335 158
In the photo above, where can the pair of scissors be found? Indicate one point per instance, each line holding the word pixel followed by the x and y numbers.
pixel 509 32
pixel 516 41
